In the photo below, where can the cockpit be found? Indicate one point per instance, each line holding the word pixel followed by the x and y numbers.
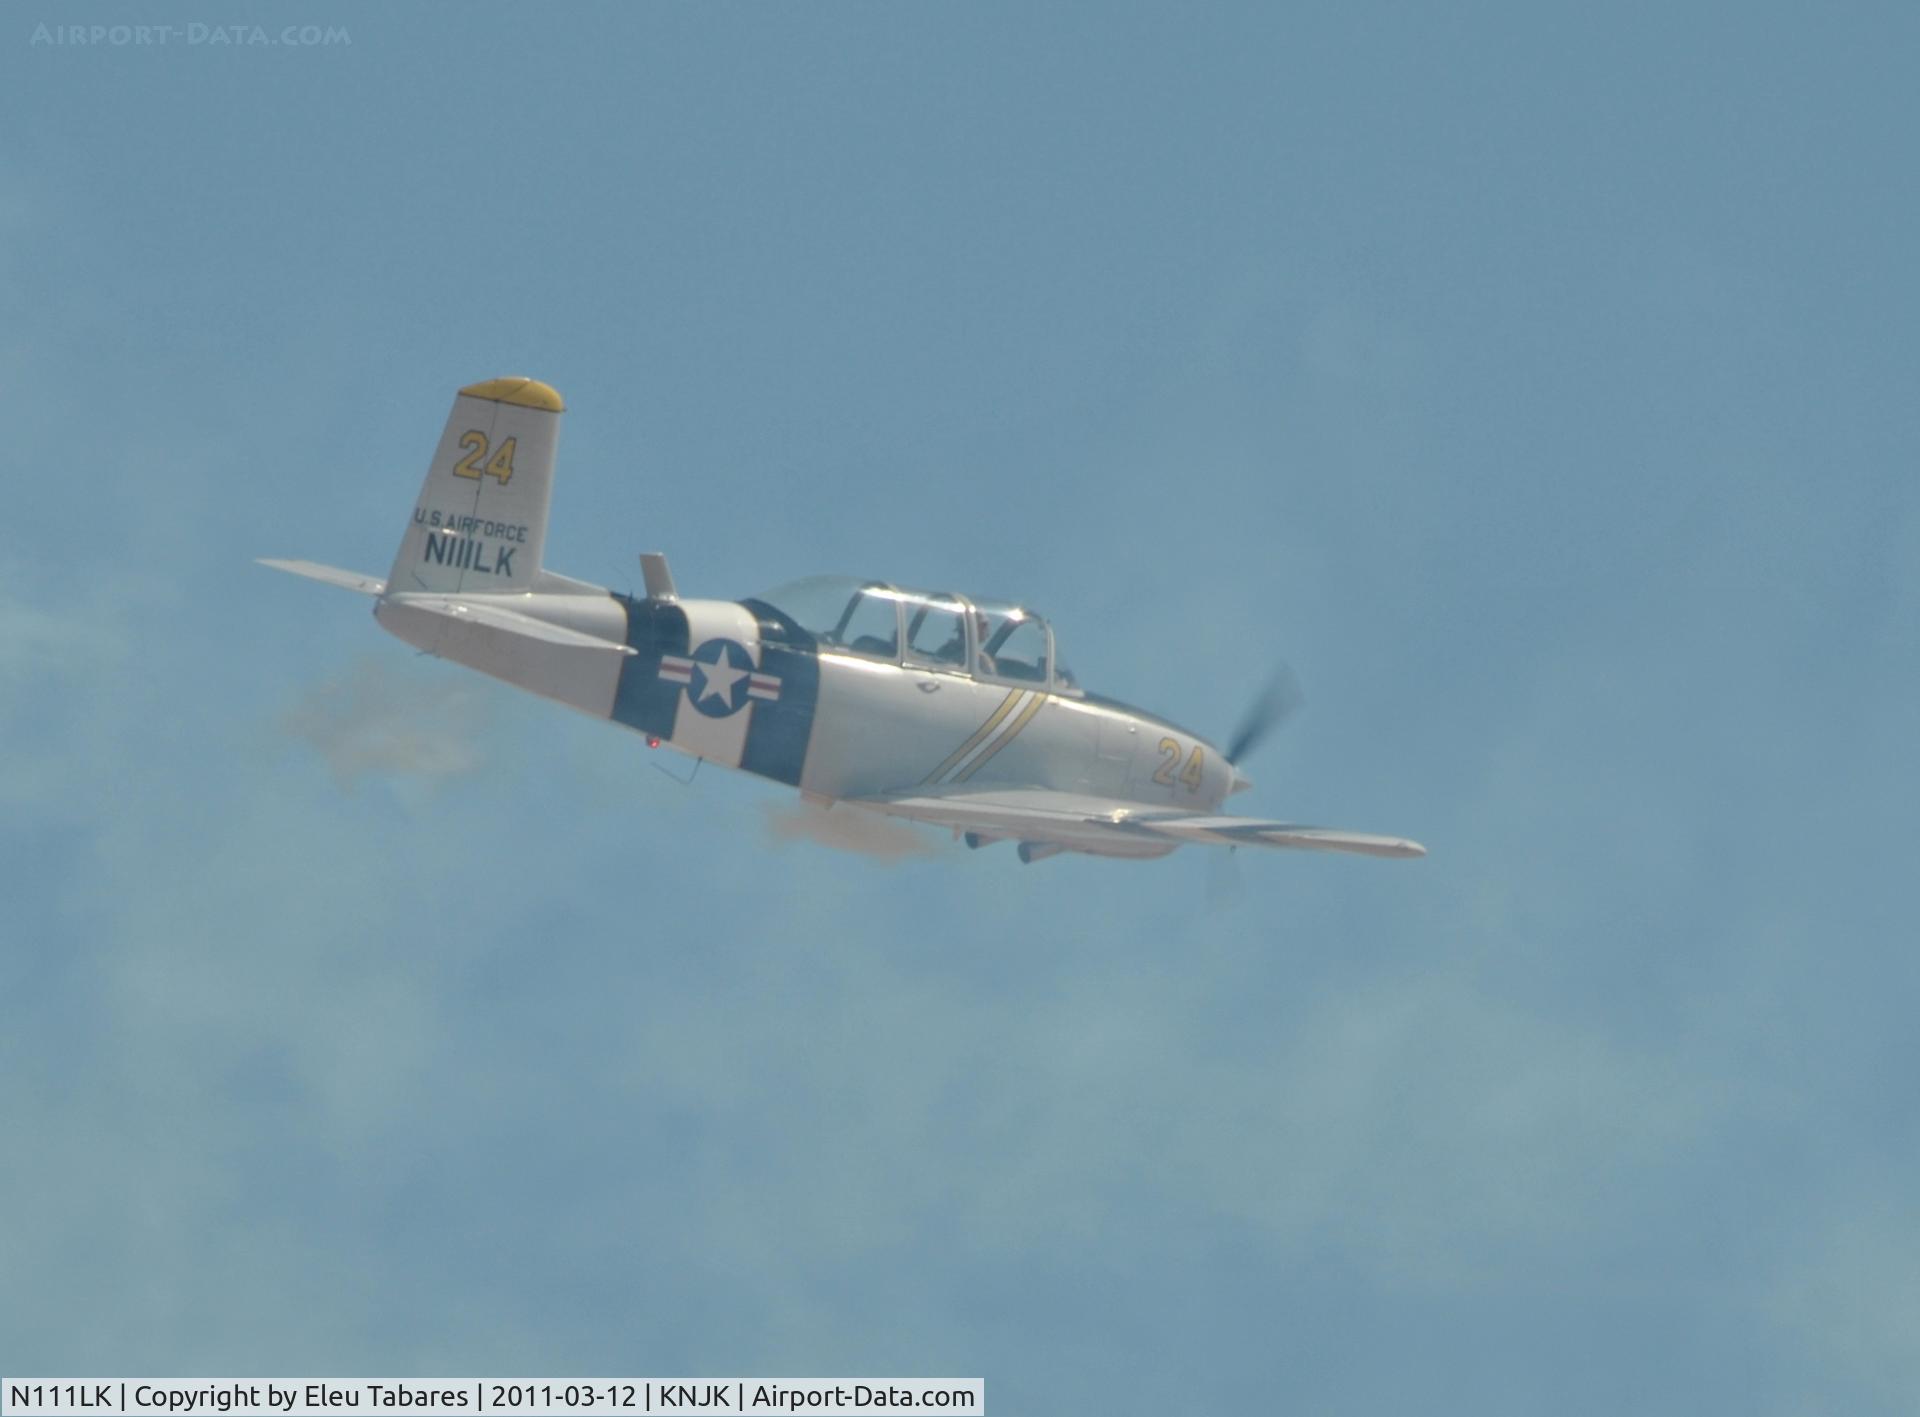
pixel 932 630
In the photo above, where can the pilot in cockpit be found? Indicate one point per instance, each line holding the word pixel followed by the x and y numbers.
pixel 954 651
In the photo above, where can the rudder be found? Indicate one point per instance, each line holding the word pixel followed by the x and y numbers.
pixel 480 522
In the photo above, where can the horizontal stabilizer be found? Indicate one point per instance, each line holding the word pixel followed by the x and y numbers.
pixel 332 575
pixel 467 610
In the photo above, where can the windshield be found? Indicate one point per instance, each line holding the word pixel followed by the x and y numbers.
pixel 1013 643
pixel 931 629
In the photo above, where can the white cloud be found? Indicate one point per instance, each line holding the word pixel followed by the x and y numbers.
pixel 1848 1289
pixel 61 677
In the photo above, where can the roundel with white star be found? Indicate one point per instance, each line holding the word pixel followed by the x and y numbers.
pixel 722 671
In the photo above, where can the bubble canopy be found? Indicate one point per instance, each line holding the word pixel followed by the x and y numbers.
pixel 921 629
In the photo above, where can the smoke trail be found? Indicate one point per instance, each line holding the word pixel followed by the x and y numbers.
pixel 374 721
pixel 847 829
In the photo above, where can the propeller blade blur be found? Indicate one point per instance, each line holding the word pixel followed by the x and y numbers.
pixel 1276 704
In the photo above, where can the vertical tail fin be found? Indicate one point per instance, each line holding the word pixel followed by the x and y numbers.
pixel 480 523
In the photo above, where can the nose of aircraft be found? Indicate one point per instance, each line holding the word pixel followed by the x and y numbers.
pixel 1241 782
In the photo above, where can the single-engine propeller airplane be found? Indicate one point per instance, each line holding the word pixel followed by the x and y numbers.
pixel 919 704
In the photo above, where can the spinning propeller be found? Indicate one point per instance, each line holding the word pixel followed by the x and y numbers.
pixel 1275 705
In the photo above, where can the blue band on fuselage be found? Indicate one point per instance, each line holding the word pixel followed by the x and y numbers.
pixel 777 737
pixel 644 700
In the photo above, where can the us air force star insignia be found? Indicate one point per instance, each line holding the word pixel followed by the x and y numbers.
pixel 725 677
pixel 719 677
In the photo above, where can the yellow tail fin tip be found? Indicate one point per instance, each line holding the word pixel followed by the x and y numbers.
pixel 528 393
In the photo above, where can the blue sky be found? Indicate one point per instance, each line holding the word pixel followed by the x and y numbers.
pixel 1537 382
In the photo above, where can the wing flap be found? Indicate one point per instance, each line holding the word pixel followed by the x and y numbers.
pixel 1018 810
pixel 1105 825
pixel 1032 814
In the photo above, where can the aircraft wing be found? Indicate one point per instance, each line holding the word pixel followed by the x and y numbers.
pixel 1251 831
pixel 1103 824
